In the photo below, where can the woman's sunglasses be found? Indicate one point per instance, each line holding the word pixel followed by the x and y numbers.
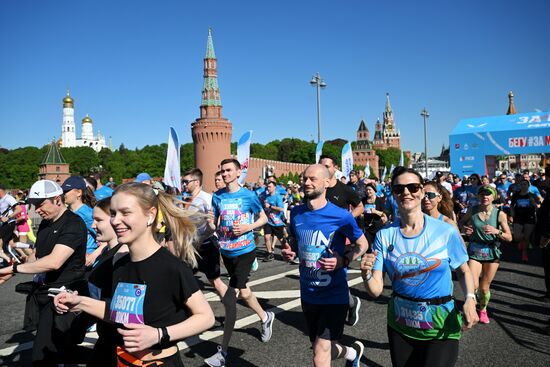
pixel 431 195
pixel 412 187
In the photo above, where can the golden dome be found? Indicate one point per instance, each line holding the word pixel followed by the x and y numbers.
pixel 87 119
pixel 68 99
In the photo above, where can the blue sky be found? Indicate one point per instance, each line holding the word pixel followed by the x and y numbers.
pixel 136 66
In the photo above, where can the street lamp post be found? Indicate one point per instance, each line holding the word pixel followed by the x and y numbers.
pixel 317 81
pixel 425 115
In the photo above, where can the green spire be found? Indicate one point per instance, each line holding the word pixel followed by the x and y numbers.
pixel 210 89
pixel 210 46
pixel 54 155
pixel 388 106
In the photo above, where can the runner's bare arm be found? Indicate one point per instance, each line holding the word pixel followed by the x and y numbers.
pixel 65 302
pixel 372 279
pixel 201 319
pixel 505 234
pixel 50 262
pixel 358 210
pixel 467 284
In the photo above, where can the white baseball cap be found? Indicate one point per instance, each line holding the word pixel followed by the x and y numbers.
pixel 44 189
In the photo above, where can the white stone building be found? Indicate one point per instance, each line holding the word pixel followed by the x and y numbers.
pixel 68 129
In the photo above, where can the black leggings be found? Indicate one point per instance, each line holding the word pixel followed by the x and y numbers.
pixel 407 352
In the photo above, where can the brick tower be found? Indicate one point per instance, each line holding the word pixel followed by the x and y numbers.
pixel 211 132
pixel 54 167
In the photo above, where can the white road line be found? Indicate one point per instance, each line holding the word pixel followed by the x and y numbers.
pixel 210 334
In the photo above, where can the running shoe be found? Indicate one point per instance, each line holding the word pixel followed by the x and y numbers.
pixel 295 261
pixel 267 326
pixel 483 317
pixel 255 265
pixel 359 348
pixel 269 257
pixel 353 312
pixel 218 359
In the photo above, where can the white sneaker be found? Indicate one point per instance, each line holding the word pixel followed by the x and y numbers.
pixel 218 359
pixel 267 326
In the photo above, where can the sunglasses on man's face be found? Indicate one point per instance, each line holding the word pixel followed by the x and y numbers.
pixel 185 182
pixel 431 195
pixel 400 189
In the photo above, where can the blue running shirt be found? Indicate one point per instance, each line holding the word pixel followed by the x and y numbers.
pixel 420 268
pixel 275 218
pixel 231 207
pixel 85 212
pixel 315 232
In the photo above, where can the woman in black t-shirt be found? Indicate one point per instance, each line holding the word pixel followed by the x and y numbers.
pixel 102 277
pixel 523 206
pixel 155 299
pixel 373 215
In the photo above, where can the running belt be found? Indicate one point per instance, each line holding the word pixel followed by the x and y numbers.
pixel 430 301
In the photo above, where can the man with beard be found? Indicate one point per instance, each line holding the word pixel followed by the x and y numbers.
pixel 318 232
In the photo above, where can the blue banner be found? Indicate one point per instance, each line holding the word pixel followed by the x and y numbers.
pixel 474 139
pixel 319 151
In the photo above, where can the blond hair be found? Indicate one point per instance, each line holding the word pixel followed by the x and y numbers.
pixel 183 223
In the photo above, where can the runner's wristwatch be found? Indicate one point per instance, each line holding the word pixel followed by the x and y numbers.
pixel 14 268
pixel 165 338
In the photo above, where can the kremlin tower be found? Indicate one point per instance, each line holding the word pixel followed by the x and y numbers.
pixel 211 132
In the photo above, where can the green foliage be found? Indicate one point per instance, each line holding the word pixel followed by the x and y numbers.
pixel 390 156
pixel 19 167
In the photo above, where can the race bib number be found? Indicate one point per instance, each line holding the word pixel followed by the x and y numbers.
pixel 479 251
pixel 413 314
pixel 127 303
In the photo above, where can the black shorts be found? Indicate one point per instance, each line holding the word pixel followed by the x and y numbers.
pixel 239 268
pixel 209 259
pixel 277 231
pixel 405 351
pixel 325 321
pixel 6 233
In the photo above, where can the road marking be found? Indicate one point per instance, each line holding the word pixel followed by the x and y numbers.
pixel 91 337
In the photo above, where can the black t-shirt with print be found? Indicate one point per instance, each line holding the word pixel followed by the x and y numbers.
pixel 169 284
pixel 342 196
pixel 524 208
pixel 68 230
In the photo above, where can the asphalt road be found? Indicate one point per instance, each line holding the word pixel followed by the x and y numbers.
pixel 513 338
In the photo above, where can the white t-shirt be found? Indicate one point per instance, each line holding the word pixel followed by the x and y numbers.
pixel 202 203
pixel 448 186
pixel 6 202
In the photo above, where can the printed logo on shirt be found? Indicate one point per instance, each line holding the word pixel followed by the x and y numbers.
pixel 413 269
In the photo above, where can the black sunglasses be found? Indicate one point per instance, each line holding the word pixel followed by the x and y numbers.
pixel 412 187
pixel 185 182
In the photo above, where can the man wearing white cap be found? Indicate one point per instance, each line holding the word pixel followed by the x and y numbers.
pixel 60 255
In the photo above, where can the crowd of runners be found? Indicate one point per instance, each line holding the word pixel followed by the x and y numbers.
pixel 121 259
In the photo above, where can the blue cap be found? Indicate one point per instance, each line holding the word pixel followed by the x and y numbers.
pixel 143 176
pixel 74 182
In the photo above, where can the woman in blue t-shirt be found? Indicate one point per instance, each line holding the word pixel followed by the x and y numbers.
pixel 418 252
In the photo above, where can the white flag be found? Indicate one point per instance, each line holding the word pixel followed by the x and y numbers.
pixel 319 151
pixel 347 160
pixel 367 170
pixel 243 154
pixel 391 169
pixel 401 160
pixel 172 176
pixel 384 174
